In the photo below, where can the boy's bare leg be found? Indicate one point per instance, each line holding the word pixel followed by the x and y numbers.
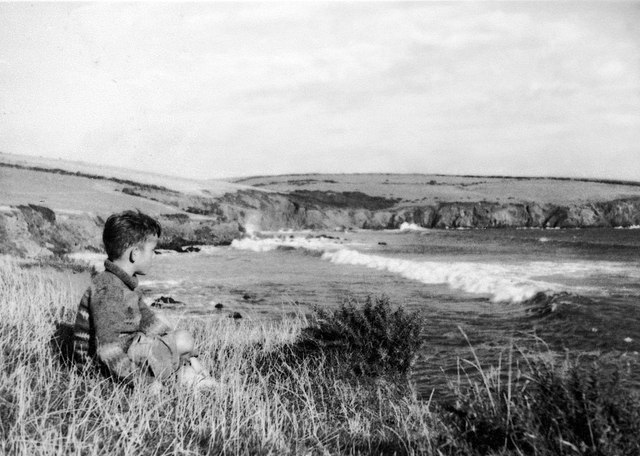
pixel 193 374
pixel 197 366
pixel 185 346
pixel 184 342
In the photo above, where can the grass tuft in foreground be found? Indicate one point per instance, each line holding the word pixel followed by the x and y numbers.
pixel 544 406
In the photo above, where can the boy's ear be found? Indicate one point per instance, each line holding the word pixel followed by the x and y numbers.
pixel 133 254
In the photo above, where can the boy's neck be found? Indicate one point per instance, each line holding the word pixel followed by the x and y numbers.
pixel 126 265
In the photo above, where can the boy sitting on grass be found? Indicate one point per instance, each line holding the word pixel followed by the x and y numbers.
pixel 116 328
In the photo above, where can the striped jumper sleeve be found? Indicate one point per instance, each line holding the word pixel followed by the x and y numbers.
pixel 83 345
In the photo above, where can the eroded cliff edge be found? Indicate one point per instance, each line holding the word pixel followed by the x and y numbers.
pixel 32 230
pixel 347 210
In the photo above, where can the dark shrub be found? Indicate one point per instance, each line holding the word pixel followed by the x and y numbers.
pixel 357 341
pixel 376 339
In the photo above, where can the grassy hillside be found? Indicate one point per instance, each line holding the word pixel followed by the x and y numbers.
pixel 433 189
pixel 119 175
pixel 69 193
pixel 73 186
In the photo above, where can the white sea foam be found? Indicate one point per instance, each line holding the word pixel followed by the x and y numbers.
pixel 251 228
pixel 208 249
pixel 160 283
pixel 405 226
pixel 294 242
pixel 632 227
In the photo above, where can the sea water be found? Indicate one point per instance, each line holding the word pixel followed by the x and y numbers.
pixel 565 290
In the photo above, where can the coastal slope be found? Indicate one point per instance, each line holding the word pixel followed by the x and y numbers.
pixel 55 207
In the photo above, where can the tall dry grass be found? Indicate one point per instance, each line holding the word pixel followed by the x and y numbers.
pixel 302 408
pixel 274 398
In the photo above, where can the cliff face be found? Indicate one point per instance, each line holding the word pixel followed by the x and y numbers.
pixel 494 215
pixel 35 231
pixel 275 211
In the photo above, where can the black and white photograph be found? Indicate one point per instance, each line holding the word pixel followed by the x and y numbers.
pixel 320 228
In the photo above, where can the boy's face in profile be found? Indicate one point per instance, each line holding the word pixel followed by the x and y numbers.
pixel 144 254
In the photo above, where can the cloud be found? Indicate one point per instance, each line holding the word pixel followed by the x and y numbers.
pixel 297 87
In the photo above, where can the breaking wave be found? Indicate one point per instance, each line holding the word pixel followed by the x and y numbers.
pixel 502 282
pixel 490 279
pixel 516 283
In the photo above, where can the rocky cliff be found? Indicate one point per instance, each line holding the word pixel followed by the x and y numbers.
pixel 625 212
pixel 305 210
pixel 35 230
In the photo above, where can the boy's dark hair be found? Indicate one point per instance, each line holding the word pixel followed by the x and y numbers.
pixel 126 229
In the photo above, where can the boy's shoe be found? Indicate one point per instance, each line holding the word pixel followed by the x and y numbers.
pixel 198 382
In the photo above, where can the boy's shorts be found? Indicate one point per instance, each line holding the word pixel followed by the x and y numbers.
pixel 159 353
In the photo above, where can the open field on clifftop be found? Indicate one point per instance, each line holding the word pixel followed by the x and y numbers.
pixel 435 188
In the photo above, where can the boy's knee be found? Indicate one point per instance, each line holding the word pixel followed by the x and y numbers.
pixel 184 341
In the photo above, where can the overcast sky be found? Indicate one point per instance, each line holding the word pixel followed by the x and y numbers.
pixel 213 90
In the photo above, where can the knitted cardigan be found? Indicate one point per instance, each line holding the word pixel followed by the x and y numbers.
pixel 110 314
